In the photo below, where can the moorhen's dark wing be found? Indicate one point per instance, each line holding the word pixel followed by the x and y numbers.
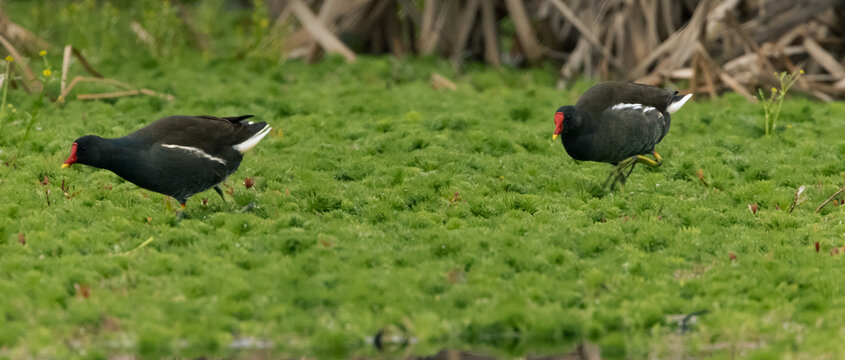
pixel 211 134
pixel 627 130
pixel 605 95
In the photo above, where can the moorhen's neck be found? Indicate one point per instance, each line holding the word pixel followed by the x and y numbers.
pixel 113 154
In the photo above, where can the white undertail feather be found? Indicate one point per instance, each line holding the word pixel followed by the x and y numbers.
pixel 675 106
pixel 253 140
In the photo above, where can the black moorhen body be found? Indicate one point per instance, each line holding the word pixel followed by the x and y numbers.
pixel 177 156
pixel 617 123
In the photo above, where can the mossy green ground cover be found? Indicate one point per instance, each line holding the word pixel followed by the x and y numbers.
pixel 446 217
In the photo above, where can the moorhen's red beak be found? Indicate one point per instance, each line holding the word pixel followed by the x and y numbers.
pixel 72 158
pixel 558 125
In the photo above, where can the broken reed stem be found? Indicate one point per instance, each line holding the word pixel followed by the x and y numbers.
pixel 85 64
pixel 797 197
pixel 5 87
pixel 130 90
pixel 65 67
pixel 319 31
pixel 440 82
pixel 145 243
pixel 29 76
pixel 116 94
pixel 829 199
pixel 701 177
pixel 98 78
pixel 107 95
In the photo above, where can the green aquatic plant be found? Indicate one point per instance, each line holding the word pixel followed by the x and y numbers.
pixel 774 102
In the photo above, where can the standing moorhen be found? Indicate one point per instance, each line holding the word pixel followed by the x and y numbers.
pixel 177 155
pixel 617 123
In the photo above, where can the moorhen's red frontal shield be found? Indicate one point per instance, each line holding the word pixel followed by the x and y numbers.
pixel 558 125
pixel 72 158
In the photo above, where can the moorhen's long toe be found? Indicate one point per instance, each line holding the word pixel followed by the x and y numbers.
pixel 177 156
pixel 617 123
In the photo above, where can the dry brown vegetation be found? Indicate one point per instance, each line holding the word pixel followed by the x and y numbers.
pixel 714 45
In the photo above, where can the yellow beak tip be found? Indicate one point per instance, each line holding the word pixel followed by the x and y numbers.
pixel 554 137
pixel 65 166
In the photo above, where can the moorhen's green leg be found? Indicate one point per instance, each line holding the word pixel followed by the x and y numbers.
pixel 614 174
pixel 618 172
pixel 658 160
pixel 180 214
pixel 219 191
pixel 623 178
pixel 619 175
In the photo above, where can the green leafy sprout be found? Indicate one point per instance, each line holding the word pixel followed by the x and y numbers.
pixel 773 103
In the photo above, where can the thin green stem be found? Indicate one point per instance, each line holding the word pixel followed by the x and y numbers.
pixel 3 102
pixel 33 117
pixel 774 103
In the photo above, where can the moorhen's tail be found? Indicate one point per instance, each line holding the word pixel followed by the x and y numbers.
pixel 677 102
pixel 248 133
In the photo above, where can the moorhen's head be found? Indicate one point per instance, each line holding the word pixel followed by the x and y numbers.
pixel 85 150
pixel 567 119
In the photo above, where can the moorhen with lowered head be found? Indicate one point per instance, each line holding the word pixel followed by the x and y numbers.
pixel 177 156
pixel 617 123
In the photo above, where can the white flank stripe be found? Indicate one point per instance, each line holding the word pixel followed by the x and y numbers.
pixel 252 141
pixel 624 106
pixel 675 106
pixel 195 151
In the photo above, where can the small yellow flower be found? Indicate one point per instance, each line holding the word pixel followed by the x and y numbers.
pixel 264 22
pixel 774 90
pixel 801 71
pixel 43 53
pixel 9 58
pixel 47 72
